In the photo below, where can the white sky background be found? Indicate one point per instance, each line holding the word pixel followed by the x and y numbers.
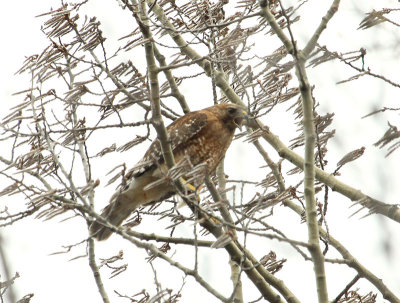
pixel 51 278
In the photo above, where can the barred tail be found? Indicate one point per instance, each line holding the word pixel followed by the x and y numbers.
pixel 116 212
pixel 124 203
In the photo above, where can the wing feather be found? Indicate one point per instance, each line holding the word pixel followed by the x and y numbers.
pixel 179 132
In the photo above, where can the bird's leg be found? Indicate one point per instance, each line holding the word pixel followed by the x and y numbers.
pixel 192 188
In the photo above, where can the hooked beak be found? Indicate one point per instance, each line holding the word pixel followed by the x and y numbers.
pixel 243 120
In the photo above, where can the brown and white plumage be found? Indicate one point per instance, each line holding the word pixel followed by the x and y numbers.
pixel 201 136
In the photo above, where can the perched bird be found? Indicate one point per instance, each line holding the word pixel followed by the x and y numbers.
pixel 201 137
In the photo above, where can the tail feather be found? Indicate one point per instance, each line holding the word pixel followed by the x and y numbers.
pixel 124 203
pixel 115 213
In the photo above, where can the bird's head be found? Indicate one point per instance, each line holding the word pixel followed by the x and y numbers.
pixel 232 115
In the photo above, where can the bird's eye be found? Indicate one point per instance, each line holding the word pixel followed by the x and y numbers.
pixel 232 110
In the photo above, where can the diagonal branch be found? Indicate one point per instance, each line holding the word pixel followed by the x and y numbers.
pixel 267 14
pixel 374 205
pixel 171 80
pixel 87 171
pixel 157 121
pixel 324 22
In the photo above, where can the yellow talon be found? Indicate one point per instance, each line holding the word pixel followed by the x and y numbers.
pixel 188 185
pixel 215 220
pixel 191 188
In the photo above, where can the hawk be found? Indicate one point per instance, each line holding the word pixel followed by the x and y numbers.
pixel 201 137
